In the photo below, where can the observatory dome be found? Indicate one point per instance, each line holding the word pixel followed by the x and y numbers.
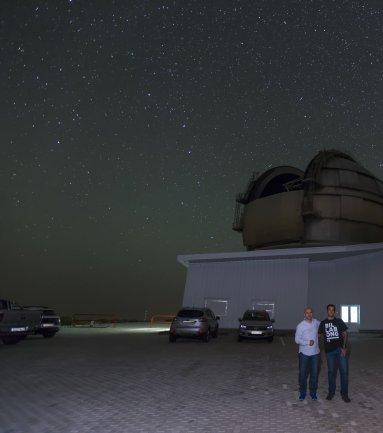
pixel 334 201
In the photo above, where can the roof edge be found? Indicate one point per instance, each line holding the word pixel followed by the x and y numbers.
pixel 285 253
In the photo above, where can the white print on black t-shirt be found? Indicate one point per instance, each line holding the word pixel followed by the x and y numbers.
pixel 331 332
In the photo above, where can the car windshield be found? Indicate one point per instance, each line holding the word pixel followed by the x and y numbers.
pixel 193 314
pixel 256 315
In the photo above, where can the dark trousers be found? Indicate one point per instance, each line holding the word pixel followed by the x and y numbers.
pixel 308 365
pixel 335 360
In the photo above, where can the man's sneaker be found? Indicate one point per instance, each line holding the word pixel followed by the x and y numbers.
pixel 329 396
pixel 314 396
pixel 346 398
pixel 302 397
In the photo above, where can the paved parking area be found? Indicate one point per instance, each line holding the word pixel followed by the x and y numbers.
pixel 125 379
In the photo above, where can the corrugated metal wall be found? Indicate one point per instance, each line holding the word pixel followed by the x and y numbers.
pixel 356 280
pixel 284 282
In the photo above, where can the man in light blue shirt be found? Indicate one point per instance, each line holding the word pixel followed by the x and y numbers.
pixel 306 335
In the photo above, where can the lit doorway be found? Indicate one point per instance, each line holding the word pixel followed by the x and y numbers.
pixel 350 314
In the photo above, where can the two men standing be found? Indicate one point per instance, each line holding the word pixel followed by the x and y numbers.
pixel 334 331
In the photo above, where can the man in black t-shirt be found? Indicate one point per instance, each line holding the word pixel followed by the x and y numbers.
pixel 334 332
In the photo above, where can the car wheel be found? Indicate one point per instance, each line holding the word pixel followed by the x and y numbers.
pixel 206 337
pixel 270 339
pixel 239 339
pixel 215 333
pixel 49 334
pixel 172 338
pixel 11 340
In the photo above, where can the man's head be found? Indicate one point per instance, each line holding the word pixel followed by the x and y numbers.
pixel 308 314
pixel 330 311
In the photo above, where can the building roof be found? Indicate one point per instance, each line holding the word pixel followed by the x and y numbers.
pixel 322 253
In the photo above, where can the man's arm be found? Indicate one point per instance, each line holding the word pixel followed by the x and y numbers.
pixel 344 343
pixel 321 334
pixel 321 328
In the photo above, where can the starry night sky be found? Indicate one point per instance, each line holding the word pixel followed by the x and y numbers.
pixel 127 128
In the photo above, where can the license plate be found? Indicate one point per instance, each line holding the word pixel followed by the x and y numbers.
pixel 256 332
pixel 18 329
pixel 47 325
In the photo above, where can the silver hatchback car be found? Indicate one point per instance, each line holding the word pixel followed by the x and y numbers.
pixel 194 322
pixel 256 324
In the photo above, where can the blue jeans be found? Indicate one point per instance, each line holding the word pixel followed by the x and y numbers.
pixel 308 365
pixel 335 360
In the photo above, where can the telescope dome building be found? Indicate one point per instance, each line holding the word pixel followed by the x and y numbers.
pixel 311 237
pixel 335 201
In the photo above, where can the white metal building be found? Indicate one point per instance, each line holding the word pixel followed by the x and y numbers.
pixel 284 281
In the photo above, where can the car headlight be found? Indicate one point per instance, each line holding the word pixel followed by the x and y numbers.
pixel 270 327
pixel 242 326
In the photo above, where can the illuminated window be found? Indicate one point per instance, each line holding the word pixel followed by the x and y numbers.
pixel 354 316
pixel 344 313
pixel 350 314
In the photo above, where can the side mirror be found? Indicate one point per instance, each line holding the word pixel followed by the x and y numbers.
pixel 239 320
pixel 217 317
pixel 272 320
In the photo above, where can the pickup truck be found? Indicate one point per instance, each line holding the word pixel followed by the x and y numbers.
pixel 13 323
pixel 16 321
pixel 42 320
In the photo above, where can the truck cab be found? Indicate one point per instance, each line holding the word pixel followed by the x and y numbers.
pixel 13 322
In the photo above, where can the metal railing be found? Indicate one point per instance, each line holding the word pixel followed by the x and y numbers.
pixel 161 319
pixel 94 320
